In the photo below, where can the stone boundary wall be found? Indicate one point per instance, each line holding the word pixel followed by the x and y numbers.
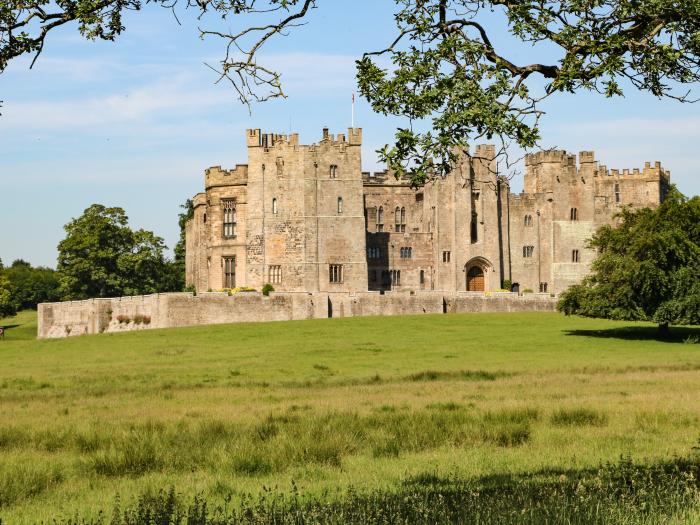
pixel 95 316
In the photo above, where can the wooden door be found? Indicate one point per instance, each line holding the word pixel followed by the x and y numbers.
pixel 475 279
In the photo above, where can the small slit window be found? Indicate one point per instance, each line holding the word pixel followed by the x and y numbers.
pixel 340 205
pixel 575 256
pixel 274 206
pixel 274 274
pixel 446 257
pixel 574 214
pixel 335 273
pixel 380 219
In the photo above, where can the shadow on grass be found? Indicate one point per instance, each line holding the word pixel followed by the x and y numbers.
pixel 619 493
pixel 679 334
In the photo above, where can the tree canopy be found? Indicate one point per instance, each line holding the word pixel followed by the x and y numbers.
pixel 449 76
pixel 647 267
pixel 102 256
pixel 31 285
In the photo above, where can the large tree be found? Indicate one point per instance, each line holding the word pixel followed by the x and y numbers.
pixel 451 75
pixel 102 256
pixel 647 267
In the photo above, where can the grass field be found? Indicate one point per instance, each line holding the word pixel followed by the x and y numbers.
pixel 320 406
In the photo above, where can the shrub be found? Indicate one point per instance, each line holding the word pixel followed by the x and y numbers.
pixel 267 289
pixel 507 284
pixel 528 290
pixel 190 288
pixel 123 319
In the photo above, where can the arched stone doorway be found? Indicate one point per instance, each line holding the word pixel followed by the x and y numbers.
pixel 476 281
pixel 476 273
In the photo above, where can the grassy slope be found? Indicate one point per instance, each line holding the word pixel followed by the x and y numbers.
pixel 169 385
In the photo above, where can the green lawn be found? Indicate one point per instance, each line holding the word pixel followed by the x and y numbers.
pixel 328 404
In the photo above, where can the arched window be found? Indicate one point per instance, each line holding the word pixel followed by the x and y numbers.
pixel 421 278
pixel 528 251
pixel 380 219
pixel 229 209
pixel 400 219
pixel 340 205
pixel 575 256
pixel 334 171
pixel 574 214
pixel 528 220
pixel 274 205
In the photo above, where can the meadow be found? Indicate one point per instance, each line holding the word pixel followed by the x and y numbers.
pixel 343 419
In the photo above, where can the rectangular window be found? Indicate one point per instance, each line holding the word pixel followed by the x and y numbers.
pixel 406 252
pixel 274 274
pixel 575 256
pixel 543 287
pixel 528 251
pixel 446 257
pixel 229 208
pixel 396 277
pixel 335 273
pixel 229 264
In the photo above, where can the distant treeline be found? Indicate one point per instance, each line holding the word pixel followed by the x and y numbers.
pixel 101 256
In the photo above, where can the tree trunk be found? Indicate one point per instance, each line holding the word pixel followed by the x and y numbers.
pixel 664 330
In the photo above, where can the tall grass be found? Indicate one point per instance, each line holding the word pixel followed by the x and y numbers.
pixel 623 493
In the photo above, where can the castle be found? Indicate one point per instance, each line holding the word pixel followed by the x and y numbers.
pixel 308 219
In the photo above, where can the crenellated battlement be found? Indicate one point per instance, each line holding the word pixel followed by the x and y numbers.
pixel 649 172
pixel 215 176
pixel 255 138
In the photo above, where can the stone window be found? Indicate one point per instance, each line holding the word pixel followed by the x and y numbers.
pixel 574 214
pixel 334 171
pixel 274 274
pixel 400 219
pixel 396 277
pixel 406 252
pixel 204 218
pixel 617 192
pixel 274 206
pixel 419 197
pixel 380 219
pixel 575 256
pixel 374 252
pixel 421 279
pixel 446 257
pixel 543 287
pixel 229 264
pixel 340 205
pixel 386 277
pixel 528 251
pixel 335 273
pixel 229 207
pixel 528 220
pixel 475 228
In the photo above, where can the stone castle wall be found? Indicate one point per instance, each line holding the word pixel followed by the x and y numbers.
pixel 96 316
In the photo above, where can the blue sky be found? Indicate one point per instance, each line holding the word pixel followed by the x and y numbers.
pixel 135 123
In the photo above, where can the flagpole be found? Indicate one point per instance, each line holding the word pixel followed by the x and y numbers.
pixel 353 111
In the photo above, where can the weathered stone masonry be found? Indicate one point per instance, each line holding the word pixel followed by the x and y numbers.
pixel 307 219
pixel 95 316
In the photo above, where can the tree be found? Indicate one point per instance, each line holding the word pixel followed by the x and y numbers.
pixel 32 286
pixel 7 305
pixel 449 77
pixel 646 269
pixel 102 257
